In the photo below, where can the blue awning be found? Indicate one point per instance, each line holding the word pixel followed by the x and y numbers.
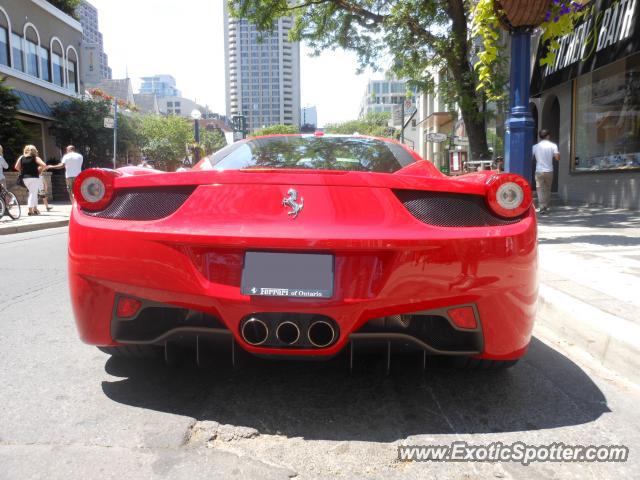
pixel 33 104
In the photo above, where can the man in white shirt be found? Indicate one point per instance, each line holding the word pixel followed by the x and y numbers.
pixel 72 163
pixel 545 152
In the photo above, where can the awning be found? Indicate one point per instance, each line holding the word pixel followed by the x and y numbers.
pixel 33 105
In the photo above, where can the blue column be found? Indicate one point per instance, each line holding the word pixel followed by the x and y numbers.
pixel 520 124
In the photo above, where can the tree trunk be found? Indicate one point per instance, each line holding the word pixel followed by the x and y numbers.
pixel 464 76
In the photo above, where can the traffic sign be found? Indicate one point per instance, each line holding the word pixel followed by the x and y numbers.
pixel 108 122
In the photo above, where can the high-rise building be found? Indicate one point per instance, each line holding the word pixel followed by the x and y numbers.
pixel 161 85
pixel 382 96
pixel 309 117
pixel 262 72
pixel 95 62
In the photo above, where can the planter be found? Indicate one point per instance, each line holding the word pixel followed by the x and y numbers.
pixel 514 14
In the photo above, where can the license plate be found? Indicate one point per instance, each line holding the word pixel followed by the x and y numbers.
pixel 297 275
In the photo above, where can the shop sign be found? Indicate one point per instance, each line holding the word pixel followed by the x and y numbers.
pixel 436 137
pixel 607 34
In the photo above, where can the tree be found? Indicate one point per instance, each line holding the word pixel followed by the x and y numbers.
pixel 375 124
pixel 420 36
pixel 164 139
pixel 275 129
pixel 13 136
pixel 81 123
pixel 67 6
pixel 212 140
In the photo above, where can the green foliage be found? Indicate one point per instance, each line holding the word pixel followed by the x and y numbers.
pixel 12 134
pixel 212 140
pixel 375 124
pixel 67 6
pixel 560 20
pixel 80 123
pixel 164 139
pixel 275 129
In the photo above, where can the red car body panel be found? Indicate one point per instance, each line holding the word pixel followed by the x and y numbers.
pixel 387 262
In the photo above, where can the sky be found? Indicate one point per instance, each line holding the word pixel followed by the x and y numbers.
pixel 186 39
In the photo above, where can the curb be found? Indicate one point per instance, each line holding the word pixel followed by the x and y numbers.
pixel 32 227
pixel 612 341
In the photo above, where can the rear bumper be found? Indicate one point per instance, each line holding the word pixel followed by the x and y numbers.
pixel 493 268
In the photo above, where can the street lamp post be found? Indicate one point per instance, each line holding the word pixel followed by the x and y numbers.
pixel 520 125
pixel 196 115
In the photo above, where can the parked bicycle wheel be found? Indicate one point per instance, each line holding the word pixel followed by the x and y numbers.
pixel 2 208
pixel 12 205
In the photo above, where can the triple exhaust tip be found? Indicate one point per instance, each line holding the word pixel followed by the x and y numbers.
pixel 256 332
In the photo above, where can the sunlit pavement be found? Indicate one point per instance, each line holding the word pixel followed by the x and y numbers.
pixel 70 411
pixel 58 216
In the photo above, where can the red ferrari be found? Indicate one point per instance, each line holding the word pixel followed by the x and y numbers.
pixel 302 246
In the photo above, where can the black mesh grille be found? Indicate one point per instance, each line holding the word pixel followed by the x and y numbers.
pixel 450 209
pixel 144 203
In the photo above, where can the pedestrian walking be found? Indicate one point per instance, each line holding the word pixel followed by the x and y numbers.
pixel 29 166
pixel 545 151
pixel 72 164
pixel 3 166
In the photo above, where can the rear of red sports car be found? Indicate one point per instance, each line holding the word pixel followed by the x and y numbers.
pixel 302 246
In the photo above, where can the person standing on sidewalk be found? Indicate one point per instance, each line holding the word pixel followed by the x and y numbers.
pixel 545 152
pixel 72 163
pixel 29 165
pixel 3 166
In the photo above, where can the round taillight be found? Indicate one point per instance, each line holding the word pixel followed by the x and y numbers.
pixel 93 188
pixel 508 194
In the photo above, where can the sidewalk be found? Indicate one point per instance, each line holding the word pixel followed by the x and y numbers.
pixel 58 217
pixel 590 283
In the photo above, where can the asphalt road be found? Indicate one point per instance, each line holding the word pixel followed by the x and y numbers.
pixel 69 411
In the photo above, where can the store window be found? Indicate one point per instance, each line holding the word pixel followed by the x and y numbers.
pixel 607 118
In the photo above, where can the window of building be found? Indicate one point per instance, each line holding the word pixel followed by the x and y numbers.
pixel 71 76
pixel 169 104
pixel 176 104
pixel 607 118
pixel 32 58
pixel 4 46
pixel 177 111
pixel 16 45
pixel 44 64
pixel 57 69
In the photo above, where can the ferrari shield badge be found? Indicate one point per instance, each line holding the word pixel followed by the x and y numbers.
pixel 291 201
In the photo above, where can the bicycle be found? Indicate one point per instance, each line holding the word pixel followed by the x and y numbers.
pixel 8 204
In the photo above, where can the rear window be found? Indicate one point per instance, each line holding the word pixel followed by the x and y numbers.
pixel 309 152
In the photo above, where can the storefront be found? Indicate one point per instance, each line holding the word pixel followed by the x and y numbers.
pixel 589 99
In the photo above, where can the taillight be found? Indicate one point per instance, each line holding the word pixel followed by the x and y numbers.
pixel 93 188
pixel 508 194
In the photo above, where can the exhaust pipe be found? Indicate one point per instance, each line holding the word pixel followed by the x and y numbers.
pixel 321 334
pixel 288 332
pixel 255 331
